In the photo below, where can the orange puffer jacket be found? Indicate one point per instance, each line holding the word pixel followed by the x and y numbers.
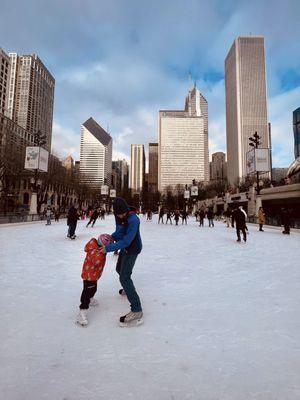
pixel 94 261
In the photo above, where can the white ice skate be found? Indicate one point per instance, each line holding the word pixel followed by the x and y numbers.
pixel 94 302
pixel 82 318
pixel 131 319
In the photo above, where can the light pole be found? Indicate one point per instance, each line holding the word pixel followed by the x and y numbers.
pixel 39 140
pixel 254 142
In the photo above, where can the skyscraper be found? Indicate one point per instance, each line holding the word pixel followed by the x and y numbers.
pixel 137 167
pixel 296 126
pixel 183 143
pixel 246 101
pixel 120 168
pixel 4 81
pixel 153 167
pixel 95 154
pixel 31 95
pixel 218 166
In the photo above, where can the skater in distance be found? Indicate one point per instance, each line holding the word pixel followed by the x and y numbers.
pixel 128 240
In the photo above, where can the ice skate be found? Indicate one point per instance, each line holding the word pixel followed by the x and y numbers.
pixel 131 319
pixel 73 237
pixel 94 302
pixel 82 318
pixel 122 292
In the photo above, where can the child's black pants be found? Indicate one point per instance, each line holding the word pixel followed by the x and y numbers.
pixel 89 290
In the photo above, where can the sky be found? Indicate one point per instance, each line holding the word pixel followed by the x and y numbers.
pixel 121 61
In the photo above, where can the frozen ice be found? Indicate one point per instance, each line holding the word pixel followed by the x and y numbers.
pixel 221 319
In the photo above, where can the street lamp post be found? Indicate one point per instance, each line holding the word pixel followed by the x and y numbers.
pixel 39 140
pixel 254 142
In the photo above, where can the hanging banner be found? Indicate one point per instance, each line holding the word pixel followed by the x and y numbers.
pixel 32 158
pixel 250 162
pixel 262 160
pixel 43 160
pixel 36 158
pixel 112 193
pixel 104 190
pixel 186 194
pixel 194 191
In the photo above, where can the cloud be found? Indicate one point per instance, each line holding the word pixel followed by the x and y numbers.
pixel 121 61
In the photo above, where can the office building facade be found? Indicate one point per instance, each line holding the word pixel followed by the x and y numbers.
pixel 296 128
pixel 31 95
pixel 95 155
pixel 4 81
pixel 246 102
pixel 153 168
pixel 218 167
pixel 137 168
pixel 183 143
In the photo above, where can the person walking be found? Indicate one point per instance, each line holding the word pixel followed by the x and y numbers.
pixel 72 222
pixel 210 217
pixel 261 218
pixel 239 219
pixel 127 239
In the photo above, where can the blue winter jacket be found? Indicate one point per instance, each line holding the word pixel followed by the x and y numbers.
pixel 127 235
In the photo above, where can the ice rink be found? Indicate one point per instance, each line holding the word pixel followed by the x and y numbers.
pixel 221 319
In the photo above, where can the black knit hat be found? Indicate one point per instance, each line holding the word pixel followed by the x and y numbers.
pixel 120 206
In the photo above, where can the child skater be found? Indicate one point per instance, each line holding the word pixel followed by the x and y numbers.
pixel 91 272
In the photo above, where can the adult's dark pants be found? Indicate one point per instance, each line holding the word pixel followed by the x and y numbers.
pixel 243 229
pixel 72 228
pixel 201 222
pixel 124 268
pixel 89 290
pixel 260 227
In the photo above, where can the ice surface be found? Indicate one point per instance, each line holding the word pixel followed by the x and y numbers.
pixel 221 318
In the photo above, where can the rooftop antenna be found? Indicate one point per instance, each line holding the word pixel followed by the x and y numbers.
pixel 107 127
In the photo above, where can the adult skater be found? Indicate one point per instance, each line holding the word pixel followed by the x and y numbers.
pixel 161 215
pixel 261 218
pixel 169 214
pixel 227 215
pixel 210 217
pixel 176 216
pixel 128 240
pixel 285 221
pixel 48 215
pixel 72 222
pixel 149 215
pixel 184 216
pixel 240 222
pixel 93 218
pixel 201 217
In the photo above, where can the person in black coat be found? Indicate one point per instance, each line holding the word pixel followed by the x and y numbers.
pixel 240 223
pixel 210 217
pixel 201 217
pixel 285 221
pixel 93 218
pixel 72 222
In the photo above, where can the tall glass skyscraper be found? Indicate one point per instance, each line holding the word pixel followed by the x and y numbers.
pixel 296 126
pixel 246 102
